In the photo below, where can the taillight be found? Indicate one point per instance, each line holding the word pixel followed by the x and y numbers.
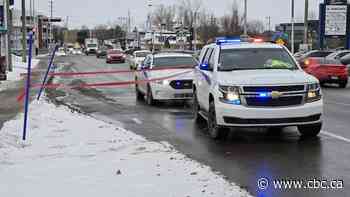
pixel 307 62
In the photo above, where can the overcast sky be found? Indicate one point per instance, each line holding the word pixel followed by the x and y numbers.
pixel 93 12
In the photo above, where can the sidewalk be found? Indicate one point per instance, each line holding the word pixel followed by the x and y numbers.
pixel 70 154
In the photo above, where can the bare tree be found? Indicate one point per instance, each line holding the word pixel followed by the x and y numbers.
pixel 232 23
pixel 188 11
pixel 255 27
pixel 208 27
pixel 164 15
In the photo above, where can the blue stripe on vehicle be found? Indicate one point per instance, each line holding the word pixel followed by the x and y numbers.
pixel 206 77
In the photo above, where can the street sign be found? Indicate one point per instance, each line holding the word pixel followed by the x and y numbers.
pixel 280 41
pixel 336 19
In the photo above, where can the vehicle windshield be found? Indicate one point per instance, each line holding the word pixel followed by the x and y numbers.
pixel 142 54
pixel 319 54
pixel 91 45
pixel 174 62
pixel 252 59
pixel 115 52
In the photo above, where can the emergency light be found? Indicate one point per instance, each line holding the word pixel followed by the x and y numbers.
pixel 227 40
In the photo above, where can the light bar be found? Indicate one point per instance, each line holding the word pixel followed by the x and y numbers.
pixel 227 40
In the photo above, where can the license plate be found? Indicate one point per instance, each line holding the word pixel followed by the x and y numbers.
pixel 334 77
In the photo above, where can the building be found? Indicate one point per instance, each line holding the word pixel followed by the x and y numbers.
pixel 313 33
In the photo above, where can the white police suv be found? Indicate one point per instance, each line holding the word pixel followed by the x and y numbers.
pixel 174 71
pixel 254 85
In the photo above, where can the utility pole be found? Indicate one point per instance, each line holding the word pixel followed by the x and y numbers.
pixel 306 19
pixel 9 33
pixel 293 50
pixel 268 18
pixel 245 18
pixel 50 23
pixel 24 32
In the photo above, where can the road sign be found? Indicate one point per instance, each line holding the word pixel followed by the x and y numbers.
pixel 336 19
pixel 280 41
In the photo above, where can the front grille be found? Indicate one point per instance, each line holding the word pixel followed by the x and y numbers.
pixel 185 95
pixel 181 84
pixel 270 102
pixel 234 120
pixel 290 88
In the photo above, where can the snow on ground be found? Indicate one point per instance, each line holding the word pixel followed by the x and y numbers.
pixel 70 154
pixel 18 68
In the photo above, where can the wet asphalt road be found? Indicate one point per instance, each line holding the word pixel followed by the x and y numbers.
pixel 245 157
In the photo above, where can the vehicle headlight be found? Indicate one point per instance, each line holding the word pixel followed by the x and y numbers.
pixel 230 94
pixel 313 92
pixel 164 82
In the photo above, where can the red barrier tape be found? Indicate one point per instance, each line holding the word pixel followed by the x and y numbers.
pixel 110 84
pixel 112 71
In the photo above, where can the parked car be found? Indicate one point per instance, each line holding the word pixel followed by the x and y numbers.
pixel 176 88
pixel 314 53
pixel 61 52
pixel 338 54
pixel 77 51
pixel 137 57
pixel 101 52
pixel 327 70
pixel 115 55
pixel 344 59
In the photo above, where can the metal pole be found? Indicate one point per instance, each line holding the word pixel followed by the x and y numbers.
pixel 195 32
pixel 24 32
pixel 306 19
pixel 9 33
pixel 47 72
pixel 51 16
pixel 27 90
pixel 293 50
pixel 245 17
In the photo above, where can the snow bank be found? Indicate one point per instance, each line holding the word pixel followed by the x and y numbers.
pixel 18 68
pixel 70 154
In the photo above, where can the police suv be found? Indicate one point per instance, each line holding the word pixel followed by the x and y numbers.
pixel 165 76
pixel 248 84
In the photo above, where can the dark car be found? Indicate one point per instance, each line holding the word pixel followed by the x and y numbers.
pixel 314 53
pixel 102 52
pixel 115 55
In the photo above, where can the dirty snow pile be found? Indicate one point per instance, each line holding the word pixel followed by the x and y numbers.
pixel 70 154
pixel 18 68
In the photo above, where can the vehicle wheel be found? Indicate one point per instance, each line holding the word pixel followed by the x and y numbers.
pixel 198 119
pixel 149 98
pixel 139 95
pixel 311 130
pixel 215 131
pixel 343 84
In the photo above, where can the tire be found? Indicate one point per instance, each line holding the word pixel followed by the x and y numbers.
pixel 149 97
pixel 343 84
pixel 139 94
pixel 198 119
pixel 311 130
pixel 215 131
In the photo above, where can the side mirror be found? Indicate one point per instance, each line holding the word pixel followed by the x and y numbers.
pixel 345 60
pixel 204 66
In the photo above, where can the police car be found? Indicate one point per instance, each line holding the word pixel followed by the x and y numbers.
pixel 244 84
pixel 174 71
